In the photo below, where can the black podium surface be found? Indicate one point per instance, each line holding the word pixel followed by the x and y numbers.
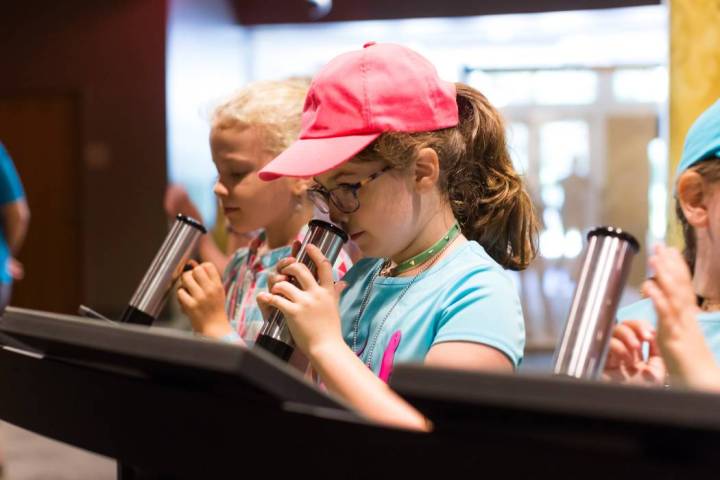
pixel 158 354
pixel 173 406
pixel 163 402
pixel 567 426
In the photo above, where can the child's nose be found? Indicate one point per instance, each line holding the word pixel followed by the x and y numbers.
pixel 337 216
pixel 220 190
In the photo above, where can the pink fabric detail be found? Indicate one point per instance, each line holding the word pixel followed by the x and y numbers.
pixel 388 358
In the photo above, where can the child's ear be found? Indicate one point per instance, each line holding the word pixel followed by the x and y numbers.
pixel 692 194
pixel 427 169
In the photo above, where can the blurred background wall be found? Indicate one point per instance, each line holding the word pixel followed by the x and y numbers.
pixel 82 113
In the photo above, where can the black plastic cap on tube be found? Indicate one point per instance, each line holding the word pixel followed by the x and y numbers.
pixel 607 231
pixel 191 221
pixel 329 226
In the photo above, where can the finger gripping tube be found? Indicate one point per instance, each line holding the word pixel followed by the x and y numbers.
pixel 275 335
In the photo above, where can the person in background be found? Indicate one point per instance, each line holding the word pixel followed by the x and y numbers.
pixel 15 221
pixel 15 216
pixel 670 320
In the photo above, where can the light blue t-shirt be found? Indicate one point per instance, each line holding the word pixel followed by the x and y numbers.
pixel 465 297
pixel 10 191
pixel 709 322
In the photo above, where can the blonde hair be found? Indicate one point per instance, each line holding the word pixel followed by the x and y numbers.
pixel 272 106
pixel 486 194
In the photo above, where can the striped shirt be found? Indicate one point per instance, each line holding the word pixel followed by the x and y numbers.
pixel 247 275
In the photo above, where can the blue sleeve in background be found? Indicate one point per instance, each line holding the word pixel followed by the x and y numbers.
pixel 11 189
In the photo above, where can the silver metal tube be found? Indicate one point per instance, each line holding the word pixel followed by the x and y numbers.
pixel 583 345
pixel 275 335
pixel 167 266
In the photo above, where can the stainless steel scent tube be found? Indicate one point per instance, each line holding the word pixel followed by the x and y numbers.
pixel 150 296
pixel 583 346
pixel 275 336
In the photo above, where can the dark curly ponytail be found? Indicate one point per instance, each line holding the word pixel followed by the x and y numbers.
pixel 486 194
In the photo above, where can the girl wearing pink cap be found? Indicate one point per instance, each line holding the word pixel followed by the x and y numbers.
pixel 416 170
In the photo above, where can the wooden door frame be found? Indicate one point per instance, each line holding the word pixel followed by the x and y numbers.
pixel 78 139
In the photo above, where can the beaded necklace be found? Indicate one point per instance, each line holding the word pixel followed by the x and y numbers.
pixel 428 260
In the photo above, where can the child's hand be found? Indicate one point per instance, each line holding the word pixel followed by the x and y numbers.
pixel 673 277
pixel 276 277
pixel 16 269
pixel 672 294
pixel 679 335
pixel 311 310
pixel 625 362
pixel 202 298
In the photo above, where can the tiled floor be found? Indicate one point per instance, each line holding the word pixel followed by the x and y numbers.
pixel 28 456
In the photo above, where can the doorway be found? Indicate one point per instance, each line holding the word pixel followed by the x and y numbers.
pixel 41 133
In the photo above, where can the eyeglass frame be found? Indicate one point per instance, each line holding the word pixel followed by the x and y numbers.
pixel 327 194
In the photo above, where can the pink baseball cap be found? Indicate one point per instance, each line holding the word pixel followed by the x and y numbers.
pixel 358 96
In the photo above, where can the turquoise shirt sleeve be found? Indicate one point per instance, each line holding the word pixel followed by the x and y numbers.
pixel 10 187
pixel 485 308
pixel 640 310
pixel 709 322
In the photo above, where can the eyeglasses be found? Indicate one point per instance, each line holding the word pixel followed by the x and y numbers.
pixel 344 196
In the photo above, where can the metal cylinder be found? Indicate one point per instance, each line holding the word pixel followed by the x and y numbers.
pixel 167 266
pixel 275 334
pixel 583 346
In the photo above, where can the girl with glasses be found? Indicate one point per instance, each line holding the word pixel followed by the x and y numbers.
pixel 416 170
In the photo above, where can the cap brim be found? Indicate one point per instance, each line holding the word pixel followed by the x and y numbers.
pixel 312 156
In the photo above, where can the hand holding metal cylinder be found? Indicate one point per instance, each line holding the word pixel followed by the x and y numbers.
pixel 167 266
pixel 275 335
pixel 583 346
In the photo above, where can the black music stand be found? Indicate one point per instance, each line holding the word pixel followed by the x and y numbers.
pixel 167 405
pixel 144 396
pixel 553 425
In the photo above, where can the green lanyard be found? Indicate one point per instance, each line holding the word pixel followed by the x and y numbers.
pixel 426 255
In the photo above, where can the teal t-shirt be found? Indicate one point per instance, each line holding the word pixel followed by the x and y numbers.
pixel 10 191
pixel 465 297
pixel 709 322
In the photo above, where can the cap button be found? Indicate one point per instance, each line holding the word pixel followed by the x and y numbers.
pixel 369 44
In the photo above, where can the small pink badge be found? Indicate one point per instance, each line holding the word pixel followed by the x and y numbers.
pixel 388 357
